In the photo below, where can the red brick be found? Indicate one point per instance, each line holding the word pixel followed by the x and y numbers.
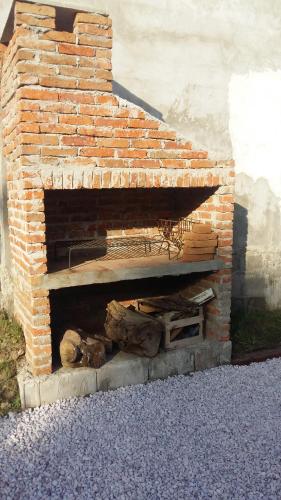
pixel 161 134
pixel 129 133
pixel 78 140
pixel 60 36
pixel 94 131
pixel 106 99
pixel 113 163
pixel 76 120
pixel 30 8
pixel 202 164
pixel 65 48
pixel 146 163
pixel 96 110
pixel 131 153
pixel 42 95
pixel 113 143
pixel 59 82
pixel 37 69
pixel 77 97
pixel 59 151
pixel 194 155
pixel 173 163
pixel 96 152
pixel 30 116
pixel 146 143
pixel 93 85
pixel 111 122
pixel 30 150
pixel 136 123
pixel 34 21
pixel 92 29
pixel 57 129
pixel 29 127
pixel 178 145
pixel 25 55
pixel 32 42
pixel 58 59
pixel 82 17
pixel 76 72
pixel 105 43
pixel 38 139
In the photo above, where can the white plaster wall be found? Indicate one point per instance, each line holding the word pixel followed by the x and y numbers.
pixel 212 68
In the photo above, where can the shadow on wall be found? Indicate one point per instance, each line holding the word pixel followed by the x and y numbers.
pixel 240 235
pixel 124 93
pixel 241 282
pixel 256 245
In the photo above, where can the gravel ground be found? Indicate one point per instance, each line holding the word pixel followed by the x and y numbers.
pixel 213 435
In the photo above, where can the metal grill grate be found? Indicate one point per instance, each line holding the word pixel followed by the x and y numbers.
pixel 120 248
pixel 169 242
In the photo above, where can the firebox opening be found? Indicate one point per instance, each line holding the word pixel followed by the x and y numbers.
pixel 84 307
pixel 113 224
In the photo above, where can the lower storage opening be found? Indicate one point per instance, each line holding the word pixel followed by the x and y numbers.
pixel 84 307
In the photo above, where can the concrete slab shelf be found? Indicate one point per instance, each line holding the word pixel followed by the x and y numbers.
pixel 96 272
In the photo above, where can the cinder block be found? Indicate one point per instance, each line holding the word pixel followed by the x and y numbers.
pixel 29 391
pixel 124 369
pixel 67 383
pixel 170 363
pixel 206 356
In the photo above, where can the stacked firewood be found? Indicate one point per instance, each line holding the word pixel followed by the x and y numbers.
pixel 78 349
pixel 138 328
pixel 200 243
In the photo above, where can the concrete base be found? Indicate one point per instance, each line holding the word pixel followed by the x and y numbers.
pixel 123 370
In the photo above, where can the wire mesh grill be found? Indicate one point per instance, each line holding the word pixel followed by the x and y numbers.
pixel 169 242
pixel 120 248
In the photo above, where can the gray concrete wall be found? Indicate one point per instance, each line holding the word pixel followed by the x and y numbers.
pixel 212 70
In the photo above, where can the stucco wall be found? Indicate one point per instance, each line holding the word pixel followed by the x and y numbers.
pixel 212 70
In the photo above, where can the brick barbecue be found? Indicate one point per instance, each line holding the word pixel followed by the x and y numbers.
pixel 72 150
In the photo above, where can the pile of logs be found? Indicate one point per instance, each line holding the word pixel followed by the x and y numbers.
pixel 78 349
pixel 200 243
pixel 132 330
pixel 138 329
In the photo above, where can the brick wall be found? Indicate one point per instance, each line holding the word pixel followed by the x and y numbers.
pixel 63 129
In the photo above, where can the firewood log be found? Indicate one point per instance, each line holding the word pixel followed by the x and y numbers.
pixel 69 353
pixel 93 353
pixel 107 342
pixel 73 336
pixel 175 302
pixel 133 331
pixel 69 348
pixel 77 350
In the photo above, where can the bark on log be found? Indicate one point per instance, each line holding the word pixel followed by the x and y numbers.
pixel 93 353
pixel 107 342
pixel 77 350
pixel 133 331
pixel 70 348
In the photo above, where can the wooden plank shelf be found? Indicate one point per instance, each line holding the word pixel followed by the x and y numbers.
pixel 96 272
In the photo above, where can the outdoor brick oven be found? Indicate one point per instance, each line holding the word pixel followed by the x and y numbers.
pixel 76 156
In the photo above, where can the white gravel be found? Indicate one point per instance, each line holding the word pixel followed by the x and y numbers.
pixel 214 435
